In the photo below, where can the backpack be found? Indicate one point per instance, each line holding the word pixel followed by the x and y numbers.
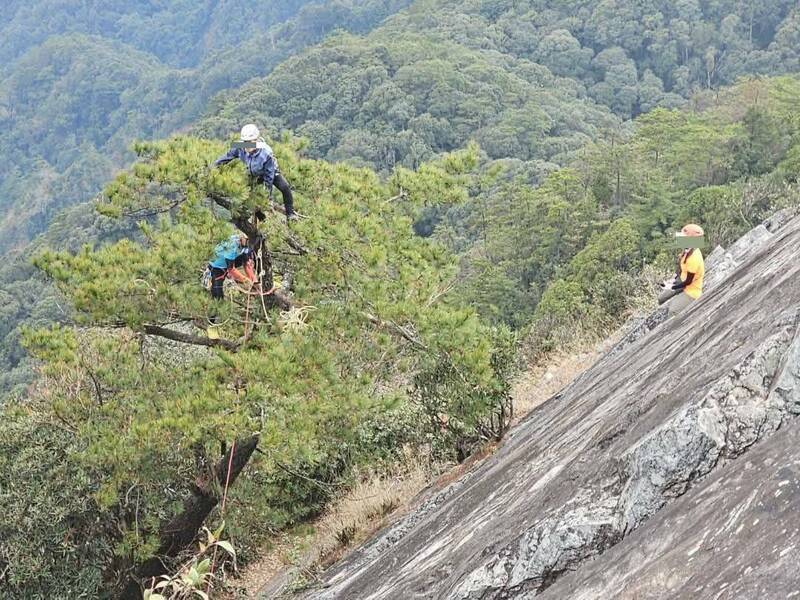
pixel 205 280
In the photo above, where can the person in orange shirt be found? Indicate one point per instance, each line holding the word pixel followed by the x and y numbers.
pixel 687 286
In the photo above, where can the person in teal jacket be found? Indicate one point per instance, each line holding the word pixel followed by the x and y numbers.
pixel 228 255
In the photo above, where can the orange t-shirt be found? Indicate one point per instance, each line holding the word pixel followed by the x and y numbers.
pixel 693 263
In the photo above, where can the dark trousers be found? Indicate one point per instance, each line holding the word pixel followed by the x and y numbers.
pixel 218 277
pixel 285 190
pixel 218 283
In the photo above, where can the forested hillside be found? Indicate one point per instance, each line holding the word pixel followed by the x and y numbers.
pixel 79 83
pixel 473 173
pixel 532 82
pixel 571 250
pixel 385 352
pixel 529 80
pixel 179 33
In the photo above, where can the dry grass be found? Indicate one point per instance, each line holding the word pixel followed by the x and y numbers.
pixel 541 380
pixel 365 507
pixel 379 498
pixel 372 502
pixel 282 553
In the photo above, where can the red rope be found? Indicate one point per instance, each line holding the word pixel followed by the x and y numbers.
pixel 222 510
pixel 228 477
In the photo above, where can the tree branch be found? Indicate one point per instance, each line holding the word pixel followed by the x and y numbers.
pixel 295 245
pixel 186 338
pixel 401 196
pixel 399 329
pixel 245 226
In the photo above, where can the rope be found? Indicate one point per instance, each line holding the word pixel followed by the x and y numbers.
pixel 239 289
pixel 222 508
pixel 260 270
pixel 247 317
pixel 228 476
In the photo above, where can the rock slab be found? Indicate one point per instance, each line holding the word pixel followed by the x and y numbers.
pixel 670 469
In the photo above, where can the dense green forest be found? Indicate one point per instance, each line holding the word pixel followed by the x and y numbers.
pixel 178 33
pixel 79 84
pixel 570 250
pixel 529 80
pixel 533 84
pixel 475 174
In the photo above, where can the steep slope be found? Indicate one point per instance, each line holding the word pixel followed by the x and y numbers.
pixel 664 422
pixel 731 538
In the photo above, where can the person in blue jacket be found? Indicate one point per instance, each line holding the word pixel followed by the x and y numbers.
pixel 228 255
pixel 262 165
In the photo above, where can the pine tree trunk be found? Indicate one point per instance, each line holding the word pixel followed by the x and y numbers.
pixel 181 531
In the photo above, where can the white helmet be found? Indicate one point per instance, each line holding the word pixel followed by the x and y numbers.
pixel 250 133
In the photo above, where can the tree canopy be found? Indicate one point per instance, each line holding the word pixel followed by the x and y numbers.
pixel 140 400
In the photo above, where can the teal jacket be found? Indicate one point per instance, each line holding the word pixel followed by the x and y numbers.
pixel 227 252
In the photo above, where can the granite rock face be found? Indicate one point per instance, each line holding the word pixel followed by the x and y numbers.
pixel 670 469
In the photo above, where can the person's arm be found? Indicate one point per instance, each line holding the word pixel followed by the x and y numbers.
pixel 269 170
pixel 230 155
pixel 679 285
pixel 236 274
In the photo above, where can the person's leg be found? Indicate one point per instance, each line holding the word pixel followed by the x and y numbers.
pixel 259 212
pixel 286 191
pixel 679 303
pixel 217 283
pixel 666 295
pixel 217 293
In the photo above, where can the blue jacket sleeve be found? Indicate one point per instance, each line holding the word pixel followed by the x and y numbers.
pixel 269 170
pixel 232 154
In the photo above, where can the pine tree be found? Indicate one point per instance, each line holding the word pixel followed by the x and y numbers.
pixel 161 413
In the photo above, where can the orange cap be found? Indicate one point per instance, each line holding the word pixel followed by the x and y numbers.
pixel 692 230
